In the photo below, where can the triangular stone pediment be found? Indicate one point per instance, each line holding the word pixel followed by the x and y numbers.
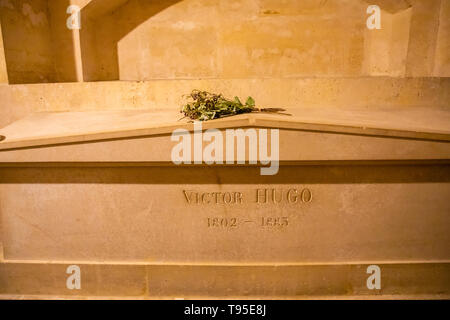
pixel 305 135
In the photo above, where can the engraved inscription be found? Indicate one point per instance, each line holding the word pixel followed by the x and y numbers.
pixel 274 221
pixel 222 222
pixel 193 197
pixel 233 222
pixel 277 196
pixel 262 196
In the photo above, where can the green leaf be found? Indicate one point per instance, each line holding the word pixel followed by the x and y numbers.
pixel 203 105
pixel 250 102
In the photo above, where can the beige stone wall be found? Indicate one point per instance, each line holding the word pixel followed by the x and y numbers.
pixel 442 64
pixel 246 39
pixel 385 49
pixel 27 41
pixel 367 133
pixel 3 71
pixel 423 37
pixel 271 49
pixel 191 39
pixel 369 92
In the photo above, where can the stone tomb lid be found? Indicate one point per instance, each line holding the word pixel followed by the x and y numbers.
pixel 50 128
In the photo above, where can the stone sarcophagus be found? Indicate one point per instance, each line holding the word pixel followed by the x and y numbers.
pixel 310 204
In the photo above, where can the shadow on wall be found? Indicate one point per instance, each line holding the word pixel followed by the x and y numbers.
pixel 225 39
pixel 37 45
pixel 104 24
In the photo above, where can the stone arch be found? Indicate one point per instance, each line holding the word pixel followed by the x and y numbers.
pixel 104 23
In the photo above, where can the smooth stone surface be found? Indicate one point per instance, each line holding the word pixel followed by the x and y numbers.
pixel 341 213
pixel 59 127
pixel 44 280
pixel 339 202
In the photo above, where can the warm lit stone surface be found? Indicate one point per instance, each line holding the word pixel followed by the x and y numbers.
pixel 191 39
pixel 3 71
pixel 150 281
pixel 57 127
pixel 386 49
pixel 141 227
pixel 338 93
pixel 86 176
pixel 357 213
pixel 442 65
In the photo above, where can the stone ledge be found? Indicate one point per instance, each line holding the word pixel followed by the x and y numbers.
pixel 49 128
pixel 335 281
pixel 367 92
